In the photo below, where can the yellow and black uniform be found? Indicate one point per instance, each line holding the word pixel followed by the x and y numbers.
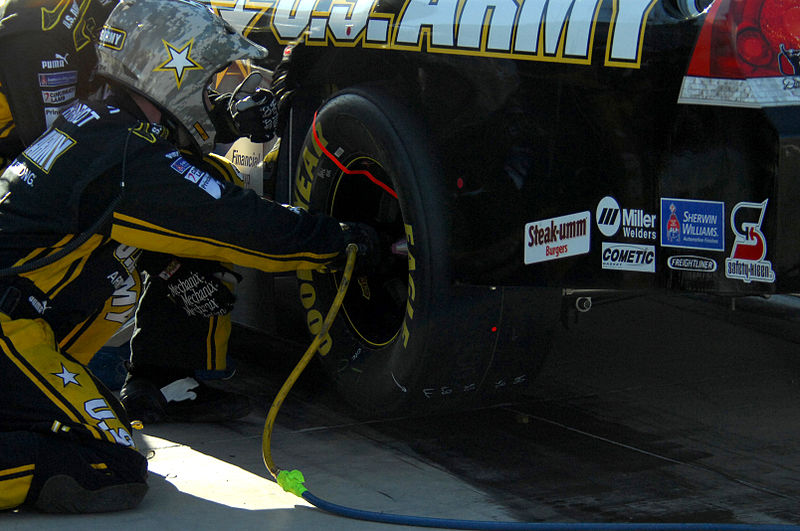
pixel 46 59
pixel 94 156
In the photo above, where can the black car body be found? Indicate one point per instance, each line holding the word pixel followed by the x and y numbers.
pixel 549 149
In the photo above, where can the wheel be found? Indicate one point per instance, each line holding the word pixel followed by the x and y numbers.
pixel 405 339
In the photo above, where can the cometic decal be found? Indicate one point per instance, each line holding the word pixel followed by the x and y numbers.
pixel 693 224
pixel 559 237
pixel 629 257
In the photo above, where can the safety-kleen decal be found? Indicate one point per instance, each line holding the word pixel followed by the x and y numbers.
pixel 747 262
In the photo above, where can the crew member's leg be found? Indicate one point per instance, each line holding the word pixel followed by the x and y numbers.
pixel 167 348
pixel 65 442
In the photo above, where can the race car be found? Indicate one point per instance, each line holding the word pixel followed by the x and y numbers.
pixel 519 157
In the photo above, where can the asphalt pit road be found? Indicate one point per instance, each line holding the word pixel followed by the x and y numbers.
pixel 651 411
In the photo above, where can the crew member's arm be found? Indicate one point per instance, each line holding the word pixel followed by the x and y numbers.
pixel 173 206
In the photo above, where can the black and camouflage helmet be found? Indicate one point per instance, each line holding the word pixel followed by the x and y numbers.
pixel 168 51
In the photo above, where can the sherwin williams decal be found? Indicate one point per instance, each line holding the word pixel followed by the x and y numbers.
pixel 629 257
pixel 692 224
pixel 559 237
pixel 746 262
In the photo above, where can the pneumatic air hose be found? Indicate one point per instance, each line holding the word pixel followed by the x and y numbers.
pixel 293 480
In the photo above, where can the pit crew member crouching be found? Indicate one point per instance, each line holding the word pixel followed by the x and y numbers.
pixel 108 183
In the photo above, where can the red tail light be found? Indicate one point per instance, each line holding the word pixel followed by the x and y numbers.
pixel 744 39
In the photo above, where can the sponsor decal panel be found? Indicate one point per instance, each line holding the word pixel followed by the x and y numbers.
pixel 21 171
pixel 693 224
pixel 699 264
pixel 195 174
pixel 634 223
pixel 58 79
pixel 80 114
pixel 211 186
pixel 747 262
pixel 48 148
pixel 180 165
pixel 555 238
pixel 60 60
pixel 54 97
pixel 202 179
pixel 629 257
pixel 112 38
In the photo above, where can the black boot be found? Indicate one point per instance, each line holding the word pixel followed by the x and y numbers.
pixel 181 400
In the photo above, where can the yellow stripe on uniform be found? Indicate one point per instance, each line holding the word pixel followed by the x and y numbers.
pixel 145 235
pixel 6 120
pixel 225 169
pixel 43 251
pixel 45 368
pixel 219 331
pixel 14 485
pixel 52 278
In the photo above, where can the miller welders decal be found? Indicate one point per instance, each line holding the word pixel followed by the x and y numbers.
pixel 747 262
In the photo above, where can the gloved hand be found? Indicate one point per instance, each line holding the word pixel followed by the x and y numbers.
pixel 284 82
pixel 368 242
pixel 199 286
pixel 254 110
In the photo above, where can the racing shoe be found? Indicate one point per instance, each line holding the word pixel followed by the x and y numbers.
pixel 184 400
pixel 143 400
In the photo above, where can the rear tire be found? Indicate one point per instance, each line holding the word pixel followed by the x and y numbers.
pixel 405 340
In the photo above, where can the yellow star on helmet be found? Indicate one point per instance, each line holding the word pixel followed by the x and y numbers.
pixel 179 61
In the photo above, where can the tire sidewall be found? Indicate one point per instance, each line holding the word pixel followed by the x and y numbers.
pixel 368 122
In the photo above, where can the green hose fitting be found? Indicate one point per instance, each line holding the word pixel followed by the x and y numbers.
pixel 292 481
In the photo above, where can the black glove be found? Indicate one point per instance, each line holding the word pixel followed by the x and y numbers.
pixel 198 286
pixel 227 132
pixel 284 84
pixel 368 242
pixel 254 110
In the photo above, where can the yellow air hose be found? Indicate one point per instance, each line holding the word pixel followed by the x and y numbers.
pixel 286 479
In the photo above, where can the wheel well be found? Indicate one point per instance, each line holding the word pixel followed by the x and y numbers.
pixel 437 88
pixel 443 89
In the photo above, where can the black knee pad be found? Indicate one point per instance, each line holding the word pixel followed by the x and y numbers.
pixel 79 476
